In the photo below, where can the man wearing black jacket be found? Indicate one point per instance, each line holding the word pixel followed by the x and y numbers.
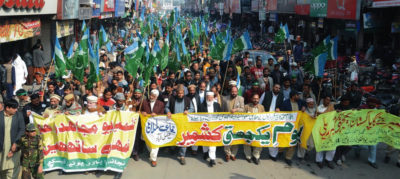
pixel 210 106
pixel 179 104
pixel 272 100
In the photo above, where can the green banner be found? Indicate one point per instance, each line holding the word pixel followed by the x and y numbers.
pixel 356 127
pixel 318 8
pixel 81 165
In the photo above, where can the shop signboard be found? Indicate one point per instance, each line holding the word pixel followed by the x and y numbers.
pixel 303 9
pixel 286 6
pixel 272 5
pixel 254 5
pixel 261 15
pixel 302 2
pixel 85 13
pixel 343 9
pixel 318 8
pixel 27 7
pixel 273 17
pixel 385 3
pixel 236 7
pixel 67 9
pixel 64 28
pixel 18 29
pixel 96 8
pixel 105 15
pixel 119 8
pixel 107 6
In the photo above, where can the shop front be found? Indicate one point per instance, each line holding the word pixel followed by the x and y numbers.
pixel 23 23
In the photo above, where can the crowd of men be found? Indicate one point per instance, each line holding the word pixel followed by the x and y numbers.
pixel 207 85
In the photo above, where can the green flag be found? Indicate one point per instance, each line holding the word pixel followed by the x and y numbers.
pixel 59 58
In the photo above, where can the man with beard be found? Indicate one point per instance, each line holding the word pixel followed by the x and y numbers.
pixel 170 80
pixel 341 151
pixel 35 106
pixel 277 75
pixel 232 103
pixel 210 106
pixel 50 90
pixel 71 107
pixel 153 107
pixel 214 77
pixel 22 98
pixel 286 88
pixel 272 100
pixel 325 107
pixel 169 87
pixel 257 70
pixel 54 108
pixel 292 104
pixel 266 82
pixel 93 108
pixel 253 107
pixel 307 93
pixel 255 89
pixel 196 101
pixel 311 111
pixel 179 104
pixel 120 103
pixel 137 99
pixel 355 96
pixel 187 80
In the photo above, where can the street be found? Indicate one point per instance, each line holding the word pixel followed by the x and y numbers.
pixel 168 167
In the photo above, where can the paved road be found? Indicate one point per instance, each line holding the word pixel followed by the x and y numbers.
pixel 196 167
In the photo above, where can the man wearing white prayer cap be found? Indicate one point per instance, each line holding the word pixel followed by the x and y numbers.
pixel 55 107
pixel 153 107
pixel 92 106
pixel 209 106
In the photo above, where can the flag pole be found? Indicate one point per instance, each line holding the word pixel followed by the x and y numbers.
pixel 226 71
pixel 141 102
pixel 47 77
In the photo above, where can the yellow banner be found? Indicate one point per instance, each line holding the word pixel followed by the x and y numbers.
pixel 283 129
pixel 88 142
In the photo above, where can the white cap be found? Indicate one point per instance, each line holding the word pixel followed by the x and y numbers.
pixel 294 64
pixel 92 99
pixel 155 92
pixel 210 93
pixel 233 83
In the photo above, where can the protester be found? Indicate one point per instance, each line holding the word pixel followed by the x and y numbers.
pixel 325 107
pixel 12 128
pixel 341 151
pixel 22 98
pixel 253 107
pixel 71 107
pixel 179 104
pixel 210 106
pixel 311 110
pixel 55 107
pixel 34 106
pixel 93 107
pixel 153 107
pixel 292 104
pixel 232 103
